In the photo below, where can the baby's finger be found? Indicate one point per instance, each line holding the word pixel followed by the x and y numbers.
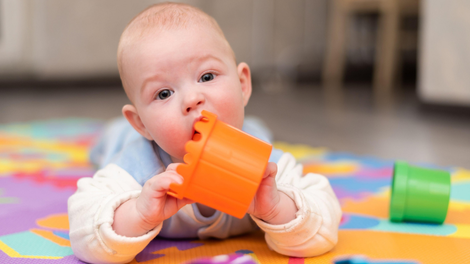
pixel 161 182
pixel 271 170
pixel 172 167
pixel 188 201
pixel 183 202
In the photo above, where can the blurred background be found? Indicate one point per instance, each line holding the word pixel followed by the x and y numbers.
pixel 383 78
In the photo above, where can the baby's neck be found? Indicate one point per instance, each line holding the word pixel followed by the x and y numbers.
pixel 176 160
pixel 205 210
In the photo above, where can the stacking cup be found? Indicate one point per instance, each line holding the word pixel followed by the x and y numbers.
pixel 419 194
pixel 223 167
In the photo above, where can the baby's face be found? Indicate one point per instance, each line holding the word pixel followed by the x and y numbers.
pixel 173 75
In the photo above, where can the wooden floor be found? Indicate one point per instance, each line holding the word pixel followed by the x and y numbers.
pixel 352 121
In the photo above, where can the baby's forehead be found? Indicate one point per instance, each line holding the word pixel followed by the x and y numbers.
pixel 151 33
pixel 148 25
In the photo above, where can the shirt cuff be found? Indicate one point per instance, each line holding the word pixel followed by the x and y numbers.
pixel 116 244
pixel 306 223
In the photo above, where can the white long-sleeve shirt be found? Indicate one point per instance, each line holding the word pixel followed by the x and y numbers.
pixel 91 209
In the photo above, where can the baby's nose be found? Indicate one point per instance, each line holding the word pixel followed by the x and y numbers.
pixel 193 101
pixel 188 109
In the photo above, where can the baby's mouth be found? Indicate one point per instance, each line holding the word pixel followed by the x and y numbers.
pixel 196 135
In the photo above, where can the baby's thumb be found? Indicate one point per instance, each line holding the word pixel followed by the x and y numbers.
pixel 271 170
pixel 183 202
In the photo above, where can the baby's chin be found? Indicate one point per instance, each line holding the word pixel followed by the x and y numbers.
pixel 177 159
pixel 177 156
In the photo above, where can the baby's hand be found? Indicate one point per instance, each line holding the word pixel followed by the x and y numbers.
pixel 153 204
pixel 269 204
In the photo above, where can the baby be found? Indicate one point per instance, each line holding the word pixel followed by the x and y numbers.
pixel 174 62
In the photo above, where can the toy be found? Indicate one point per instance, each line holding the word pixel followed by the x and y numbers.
pixel 358 259
pixel 418 194
pixel 223 167
pixel 226 259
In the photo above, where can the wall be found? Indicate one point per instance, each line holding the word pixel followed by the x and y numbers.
pixel 58 39
pixel 445 52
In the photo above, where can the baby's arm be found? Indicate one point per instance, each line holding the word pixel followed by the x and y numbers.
pixel 269 204
pixel 92 213
pixel 314 230
pixel 139 215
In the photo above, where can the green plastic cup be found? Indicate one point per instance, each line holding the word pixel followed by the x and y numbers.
pixel 418 194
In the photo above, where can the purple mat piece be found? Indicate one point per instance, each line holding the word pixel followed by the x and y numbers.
pixel 342 193
pixel 159 244
pixel 35 201
pixel 146 256
pixel 375 173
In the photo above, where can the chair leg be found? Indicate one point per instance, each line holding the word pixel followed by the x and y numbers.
pixel 333 66
pixel 387 50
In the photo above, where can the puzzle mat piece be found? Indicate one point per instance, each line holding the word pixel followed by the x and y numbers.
pixel 30 245
pixel 159 244
pixel 374 244
pixel 37 201
pixel 64 129
pixel 226 259
pixel 4 258
pixel 378 206
pixel 51 236
pixel 365 161
pixel 332 169
pixel 460 175
pixel 7 200
pixel 342 193
pixel 55 221
pixel 460 191
pixel 254 242
pixel 54 178
pixel 374 206
pixel 53 144
pixel 28 155
pixel 357 222
pixel 351 221
pixel 373 162
pixel 386 225
pixel 37 243
pixel 300 151
pixel 347 169
pixel 355 185
pixel 385 245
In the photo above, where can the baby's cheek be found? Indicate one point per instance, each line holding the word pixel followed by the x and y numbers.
pixel 232 114
pixel 171 141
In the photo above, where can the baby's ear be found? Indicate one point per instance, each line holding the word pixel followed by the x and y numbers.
pixel 130 113
pixel 244 75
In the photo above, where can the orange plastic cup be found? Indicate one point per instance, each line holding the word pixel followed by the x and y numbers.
pixel 223 167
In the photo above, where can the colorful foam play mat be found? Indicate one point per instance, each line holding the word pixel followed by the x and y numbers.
pixel 40 163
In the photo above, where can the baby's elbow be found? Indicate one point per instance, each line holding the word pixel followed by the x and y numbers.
pixel 87 249
pixel 315 247
pixel 323 247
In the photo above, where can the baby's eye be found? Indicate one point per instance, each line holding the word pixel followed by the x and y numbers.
pixel 207 77
pixel 164 94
